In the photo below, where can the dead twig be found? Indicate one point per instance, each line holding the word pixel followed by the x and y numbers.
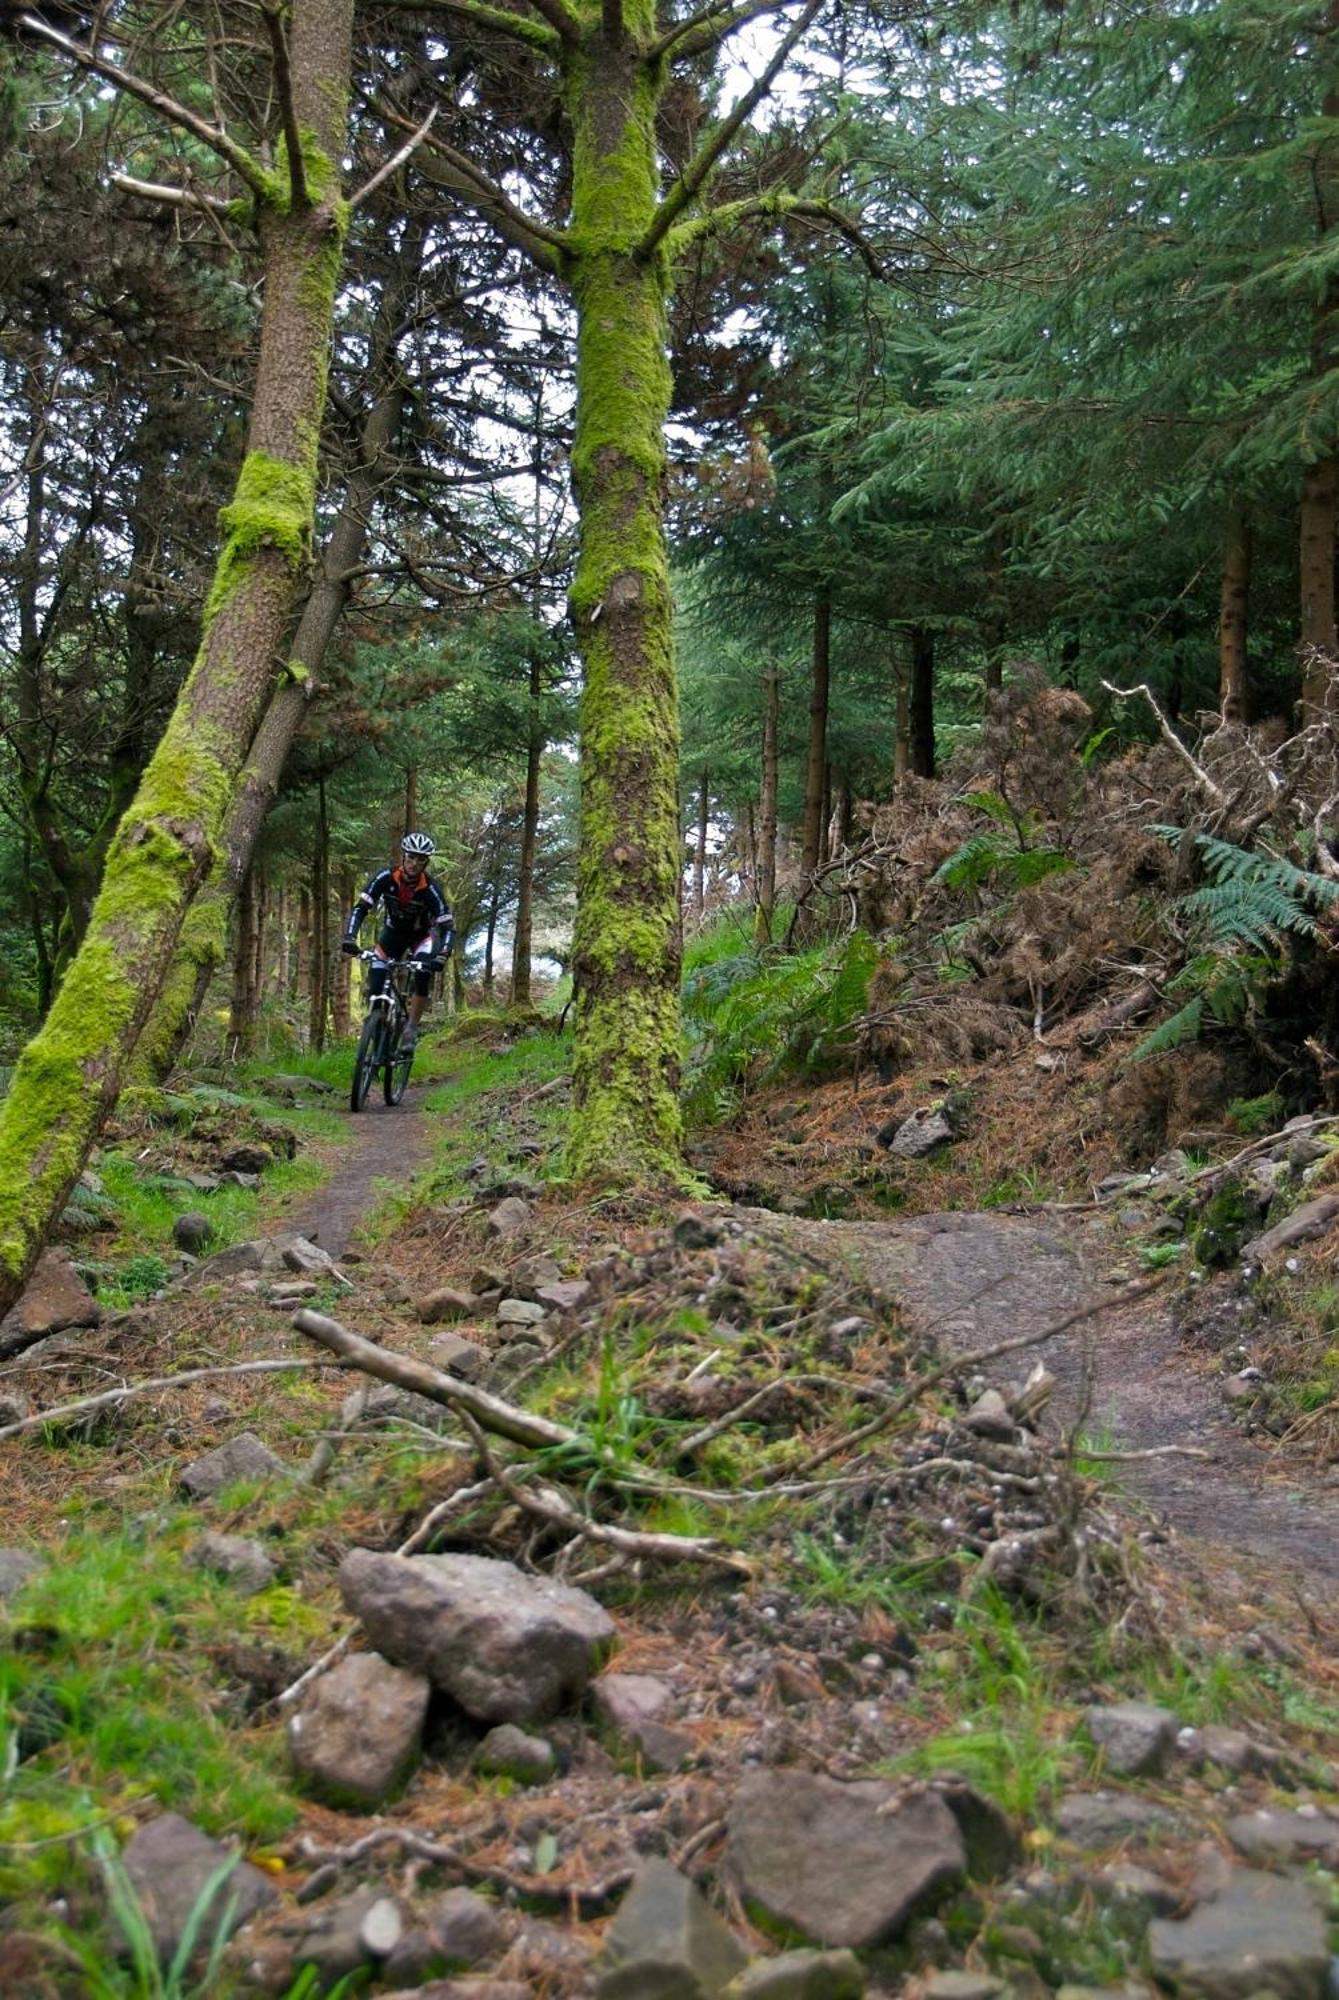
pixel 966 1363
pixel 589 1899
pixel 108 1397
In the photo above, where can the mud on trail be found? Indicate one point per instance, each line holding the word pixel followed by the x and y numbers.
pixel 968 1281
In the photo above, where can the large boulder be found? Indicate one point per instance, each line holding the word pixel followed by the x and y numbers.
pixel 169 1864
pixel 841 1864
pixel 17 1566
pixel 666 1943
pixel 356 1737
pixel 1260 1934
pixel 507 1647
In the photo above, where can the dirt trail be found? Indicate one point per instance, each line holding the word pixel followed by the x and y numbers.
pixel 383 1142
pixel 974 1279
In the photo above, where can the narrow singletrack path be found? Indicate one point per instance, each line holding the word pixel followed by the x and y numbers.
pixel 971 1280
pixel 381 1142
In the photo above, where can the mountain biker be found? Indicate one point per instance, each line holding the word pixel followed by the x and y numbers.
pixel 417 922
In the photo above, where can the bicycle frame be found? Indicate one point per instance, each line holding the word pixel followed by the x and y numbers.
pixel 383 1029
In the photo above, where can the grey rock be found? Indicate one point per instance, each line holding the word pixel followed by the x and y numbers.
pixel 1312 1219
pixel 1126 1883
pixel 193 1232
pixel 508 1752
pixel 840 1864
pixel 1303 1152
pixel 520 1312
pixel 293 1291
pixel 457 1356
pixel 383 1403
pixel 17 1566
pixel 466 1989
pixel 801 1975
pixel 1135 1738
pixel 506 1646
pixel 1273 1834
pixel 1230 1749
pixel 242 1457
pixel 355 1739
pixel 509 1218
pixel 564 1295
pixel 258 1253
pixel 247 1159
pixel 633 1707
pixel 243 1562
pixel 54 1299
pixel 308 1259
pixel 169 1863
pixel 988 1833
pixel 921 1134
pixel 1263 1934
pixel 990 1417
pixel 698 1232
pixel 465 1928
pixel 15 1408
pixel 446 1303
pixel 239 1180
pixel 298 1083
pixel 349 1932
pixel 666 1943
pixel 962 1986
pixel 203 1183
pixel 519 1354
pixel 1100 1819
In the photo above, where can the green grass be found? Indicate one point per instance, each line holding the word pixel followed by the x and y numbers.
pixel 108 1666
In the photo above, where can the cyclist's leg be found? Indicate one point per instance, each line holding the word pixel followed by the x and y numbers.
pixel 422 983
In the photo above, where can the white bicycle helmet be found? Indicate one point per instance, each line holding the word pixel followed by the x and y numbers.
pixel 418 843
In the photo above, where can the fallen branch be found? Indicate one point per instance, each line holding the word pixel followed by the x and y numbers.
pixel 489 1412
pixel 1170 737
pixel 1131 1457
pixel 963 1363
pixel 862 1391
pixel 591 1899
pixel 630 1544
pixel 108 1397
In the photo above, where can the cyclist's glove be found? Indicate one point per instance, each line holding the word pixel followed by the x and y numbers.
pixel 349 947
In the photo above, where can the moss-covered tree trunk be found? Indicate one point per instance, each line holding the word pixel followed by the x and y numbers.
pixel 68 1076
pixel 627 947
pixel 201 944
pixel 816 764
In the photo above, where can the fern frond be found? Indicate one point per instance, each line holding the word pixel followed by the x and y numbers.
pixel 1173 1033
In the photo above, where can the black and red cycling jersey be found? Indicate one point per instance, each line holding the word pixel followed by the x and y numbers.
pixel 412 910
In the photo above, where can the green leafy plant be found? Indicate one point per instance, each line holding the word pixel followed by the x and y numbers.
pixel 1250 905
pixel 1011 854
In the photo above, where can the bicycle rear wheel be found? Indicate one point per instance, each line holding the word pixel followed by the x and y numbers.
pixel 365 1061
pixel 395 1075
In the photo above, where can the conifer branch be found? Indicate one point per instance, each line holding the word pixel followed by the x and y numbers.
pixel 777 208
pixel 395 162
pixel 707 29
pixel 288 111
pixel 458 173
pixel 172 197
pixel 557 28
pixel 249 171
pixel 696 173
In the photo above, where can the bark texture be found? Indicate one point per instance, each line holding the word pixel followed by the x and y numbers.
pixel 1233 689
pixel 69 1075
pixel 627 948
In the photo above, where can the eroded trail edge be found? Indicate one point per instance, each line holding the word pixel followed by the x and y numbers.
pixel 968 1280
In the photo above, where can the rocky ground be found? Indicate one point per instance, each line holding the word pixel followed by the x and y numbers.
pixel 710 1607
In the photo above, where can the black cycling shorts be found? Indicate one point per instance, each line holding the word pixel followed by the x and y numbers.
pixel 397 942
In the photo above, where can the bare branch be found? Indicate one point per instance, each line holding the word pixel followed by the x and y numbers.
pixel 544 247
pixel 696 173
pixel 396 161
pixel 708 28
pixel 490 1412
pixel 174 197
pixel 283 83
pixel 1169 736
pixel 247 170
pixel 778 207
pixel 87 1404
pixel 549 34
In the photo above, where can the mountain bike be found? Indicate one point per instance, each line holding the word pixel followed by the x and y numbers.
pixel 383 1031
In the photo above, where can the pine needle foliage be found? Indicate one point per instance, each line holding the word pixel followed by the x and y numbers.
pixel 1243 916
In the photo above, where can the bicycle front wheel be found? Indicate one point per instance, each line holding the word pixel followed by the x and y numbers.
pixel 365 1062
pixel 395 1075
